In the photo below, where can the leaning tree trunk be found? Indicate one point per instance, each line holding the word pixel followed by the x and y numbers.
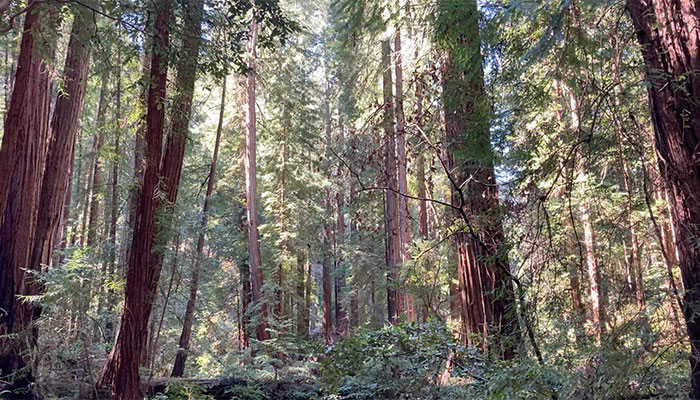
pixel 184 344
pixel 667 31
pixel 22 157
pixel 122 369
pixel 486 291
pixel 171 163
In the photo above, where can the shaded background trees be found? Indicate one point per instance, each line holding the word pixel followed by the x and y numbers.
pixel 233 188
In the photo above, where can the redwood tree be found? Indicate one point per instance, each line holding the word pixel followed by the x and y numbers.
pixel 251 192
pixel 22 159
pixel 485 289
pixel 122 369
pixel 64 126
pixel 667 30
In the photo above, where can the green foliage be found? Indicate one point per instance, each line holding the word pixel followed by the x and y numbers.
pixel 246 393
pixel 186 391
pixel 518 70
pixel 403 361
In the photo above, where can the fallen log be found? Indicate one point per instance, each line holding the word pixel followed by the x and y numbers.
pixel 215 387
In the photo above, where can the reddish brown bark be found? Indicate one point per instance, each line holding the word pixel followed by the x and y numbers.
pixel 246 300
pixel 251 193
pixel 22 158
pixel 137 166
pixel 121 371
pixel 486 291
pixel 668 33
pixel 171 163
pixel 64 126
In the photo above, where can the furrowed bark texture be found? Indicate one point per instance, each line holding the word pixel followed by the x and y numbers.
pixel 122 369
pixel 667 30
pixel 485 290
pixel 22 159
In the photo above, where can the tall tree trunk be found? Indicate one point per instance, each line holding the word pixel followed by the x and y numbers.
pixel 22 157
pixel 569 225
pixel 486 291
pixel 97 164
pixel 282 227
pixel 55 187
pixel 585 217
pixel 121 371
pixel 166 300
pixel 667 31
pixel 137 166
pixel 282 211
pixel 340 280
pixel 420 166
pixel 184 343
pixel 251 193
pixel 307 294
pixel 111 263
pixel 422 204
pixel 391 215
pixel 114 202
pixel 406 301
pixel 354 295
pixel 452 215
pixel 327 286
pixel 634 261
pixel 74 214
pixel 247 301
pixel 301 308
pixel 84 215
pixel 592 269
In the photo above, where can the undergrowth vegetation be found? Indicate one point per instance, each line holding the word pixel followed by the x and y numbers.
pixel 424 362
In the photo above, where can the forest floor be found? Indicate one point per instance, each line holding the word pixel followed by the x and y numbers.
pixel 233 388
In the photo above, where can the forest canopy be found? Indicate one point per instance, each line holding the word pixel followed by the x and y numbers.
pixel 350 199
